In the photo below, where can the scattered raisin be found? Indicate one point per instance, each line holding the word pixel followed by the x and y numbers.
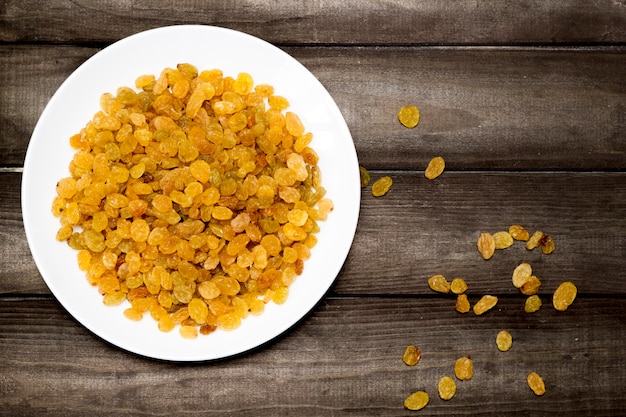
pixel 365 176
pixel 416 401
pixel 435 168
pixel 462 303
pixel 534 239
pixel 458 286
pixel 486 303
pixel 531 286
pixel 547 244
pixel 464 368
pixel 381 186
pixel 564 295
pixel 532 304
pixel 503 240
pixel 446 388
pixel 486 245
pixel 412 355
pixel 409 116
pixel 504 340
pixel 439 283
pixel 521 274
pixel 518 232
pixel 536 384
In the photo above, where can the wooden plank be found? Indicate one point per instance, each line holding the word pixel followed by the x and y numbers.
pixel 344 359
pixel 30 76
pixel 422 228
pixel 18 272
pixel 482 108
pixel 319 22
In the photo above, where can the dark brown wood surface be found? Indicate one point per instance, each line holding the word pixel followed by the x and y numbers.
pixel 526 101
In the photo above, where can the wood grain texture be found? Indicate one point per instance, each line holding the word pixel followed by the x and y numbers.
pixel 525 100
pixel 344 359
pixel 503 109
pixel 318 22
pixel 18 272
pixel 30 76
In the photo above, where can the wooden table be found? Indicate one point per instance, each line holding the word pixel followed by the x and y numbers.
pixel 525 100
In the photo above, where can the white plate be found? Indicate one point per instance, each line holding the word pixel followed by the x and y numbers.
pixel 73 105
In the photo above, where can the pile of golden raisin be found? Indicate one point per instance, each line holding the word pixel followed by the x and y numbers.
pixel 194 196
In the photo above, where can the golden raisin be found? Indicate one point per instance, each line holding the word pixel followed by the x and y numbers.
pixel 464 368
pixel 381 186
pixel 458 286
pixel 139 230
pixel 439 283
pixel 207 329
pixel 536 384
pixel 504 340
pixel 201 170
pixel 486 303
pixel 503 240
pixel 547 244
pixel 531 286
pixel 521 274
pixel 532 304
pixel 278 102
pixel 534 239
pixel 365 176
pixel 412 355
pixel 518 232
pixel 486 245
pixel 462 303
pixel 446 388
pixel 416 401
pixel 243 84
pixel 434 168
pixel 409 116
pixel 564 295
